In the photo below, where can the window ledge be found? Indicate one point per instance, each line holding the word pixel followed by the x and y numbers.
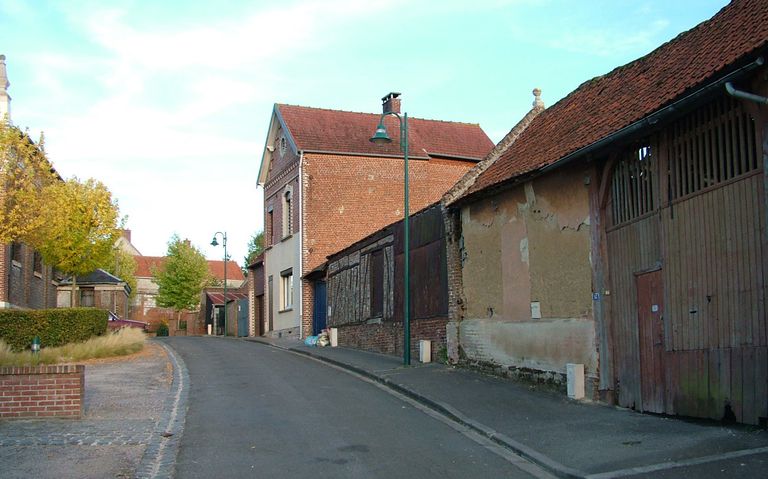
pixel 15 263
pixel 286 310
pixel 287 237
pixel 38 275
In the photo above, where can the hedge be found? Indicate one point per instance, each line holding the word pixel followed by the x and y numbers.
pixel 55 327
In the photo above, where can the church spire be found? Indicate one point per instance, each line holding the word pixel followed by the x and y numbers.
pixel 5 99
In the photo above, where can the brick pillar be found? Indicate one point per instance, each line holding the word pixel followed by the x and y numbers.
pixel 456 306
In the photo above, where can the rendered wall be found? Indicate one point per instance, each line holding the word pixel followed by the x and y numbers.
pixel 530 245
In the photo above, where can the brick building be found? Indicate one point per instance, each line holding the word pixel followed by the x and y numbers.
pixel 98 289
pixel 326 185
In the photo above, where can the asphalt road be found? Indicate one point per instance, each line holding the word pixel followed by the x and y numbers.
pixel 255 411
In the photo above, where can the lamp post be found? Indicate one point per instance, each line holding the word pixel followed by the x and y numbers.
pixel 381 137
pixel 216 243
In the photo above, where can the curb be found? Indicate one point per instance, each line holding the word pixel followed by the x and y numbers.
pixel 449 412
pixel 159 459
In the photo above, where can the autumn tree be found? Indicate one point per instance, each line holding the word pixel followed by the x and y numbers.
pixel 25 173
pixel 80 225
pixel 182 277
pixel 123 265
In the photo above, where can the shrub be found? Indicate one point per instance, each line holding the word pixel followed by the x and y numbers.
pixel 162 329
pixel 55 327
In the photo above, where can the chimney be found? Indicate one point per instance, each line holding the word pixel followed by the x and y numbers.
pixel 127 235
pixel 391 103
pixel 5 98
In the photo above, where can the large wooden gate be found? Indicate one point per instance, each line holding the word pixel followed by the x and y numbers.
pixel 686 233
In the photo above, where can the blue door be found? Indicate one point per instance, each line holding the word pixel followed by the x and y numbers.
pixel 319 312
pixel 242 317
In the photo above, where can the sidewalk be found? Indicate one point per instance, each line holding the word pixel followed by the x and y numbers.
pixel 128 429
pixel 569 438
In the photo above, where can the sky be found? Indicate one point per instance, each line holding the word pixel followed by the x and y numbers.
pixel 168 103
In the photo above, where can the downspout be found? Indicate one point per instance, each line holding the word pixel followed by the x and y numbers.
pixel 301 245
pixel 744 95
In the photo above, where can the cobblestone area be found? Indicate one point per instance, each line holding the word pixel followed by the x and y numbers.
pixel 132 410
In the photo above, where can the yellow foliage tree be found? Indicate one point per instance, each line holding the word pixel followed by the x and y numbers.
pixel 24 173
pixel 123 265
pixel 80 225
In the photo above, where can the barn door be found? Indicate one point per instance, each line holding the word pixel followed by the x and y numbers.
pixel 650 315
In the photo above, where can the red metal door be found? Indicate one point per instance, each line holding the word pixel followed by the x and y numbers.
pixel 650 315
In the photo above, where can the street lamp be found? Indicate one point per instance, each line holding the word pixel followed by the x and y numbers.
pixel 380 137
pixel 216 243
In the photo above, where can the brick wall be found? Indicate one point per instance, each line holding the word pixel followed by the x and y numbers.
pixel 42 391
pixel 4 262
pixel 23 287
pixel 387 337
pixel 349 197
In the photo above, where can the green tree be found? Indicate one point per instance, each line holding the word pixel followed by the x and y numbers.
pixel 24 173
pixel 81 222
pixel 255 248
pixel 123 265
pixel 183 276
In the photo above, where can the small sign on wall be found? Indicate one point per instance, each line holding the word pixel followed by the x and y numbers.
pixel 535 310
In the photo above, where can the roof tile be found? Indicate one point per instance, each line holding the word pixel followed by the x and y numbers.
pixel 317 129
pixel 608 103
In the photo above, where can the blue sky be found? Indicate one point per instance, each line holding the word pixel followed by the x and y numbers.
pixel 168 103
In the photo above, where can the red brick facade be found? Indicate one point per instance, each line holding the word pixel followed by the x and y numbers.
pixel 24 282
pixel 387 337
pixel 350 197
pixel 42 391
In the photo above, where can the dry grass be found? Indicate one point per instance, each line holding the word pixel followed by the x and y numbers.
pixel 120 343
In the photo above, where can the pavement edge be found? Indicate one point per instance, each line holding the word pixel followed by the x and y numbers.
pixel 446 410
pixel 159 459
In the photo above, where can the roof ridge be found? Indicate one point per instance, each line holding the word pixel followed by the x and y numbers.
pixel 410 118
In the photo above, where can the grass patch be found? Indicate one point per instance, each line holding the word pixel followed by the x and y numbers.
pixel 120 343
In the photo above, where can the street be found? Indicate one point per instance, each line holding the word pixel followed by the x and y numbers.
pixel 255 411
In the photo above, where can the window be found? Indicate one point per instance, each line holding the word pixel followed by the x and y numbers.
pixel 38 263
pixel 632 185
pixel 270 228
pixel 86 298
pixel 376 267
pixel 287 213
pixel 711 145
pixel 16 252
pixel 286 289
pixel 283 146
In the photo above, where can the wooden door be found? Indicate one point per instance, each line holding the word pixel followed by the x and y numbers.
pixel 650 316
pixel 319 313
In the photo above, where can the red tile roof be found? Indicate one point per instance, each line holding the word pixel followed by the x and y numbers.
pixel 145 265
pixel 605 104
pixel 317 129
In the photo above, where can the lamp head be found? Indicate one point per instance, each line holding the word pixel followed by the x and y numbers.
pixel 214 242
pixel 380 136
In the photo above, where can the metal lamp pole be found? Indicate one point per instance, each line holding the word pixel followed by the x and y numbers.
pixel 381 137
pixel 216 243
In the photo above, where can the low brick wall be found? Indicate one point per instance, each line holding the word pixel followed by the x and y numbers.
pixel 42 391
pixel 387 337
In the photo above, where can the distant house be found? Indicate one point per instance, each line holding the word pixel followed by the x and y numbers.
pixel 623 228
pixel 326 185
pixel 145 307
pixel 99 290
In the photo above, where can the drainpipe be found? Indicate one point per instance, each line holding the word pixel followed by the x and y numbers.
pixel 301 246
pixel 744 95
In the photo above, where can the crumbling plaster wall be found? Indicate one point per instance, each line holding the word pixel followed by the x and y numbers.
pixel 525 245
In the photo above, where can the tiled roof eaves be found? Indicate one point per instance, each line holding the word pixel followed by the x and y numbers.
pixel 460 189
pixel 286 130
pixel 649 119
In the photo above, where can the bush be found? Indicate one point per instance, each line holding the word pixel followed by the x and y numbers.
pixel 162 329
pixel 55 327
